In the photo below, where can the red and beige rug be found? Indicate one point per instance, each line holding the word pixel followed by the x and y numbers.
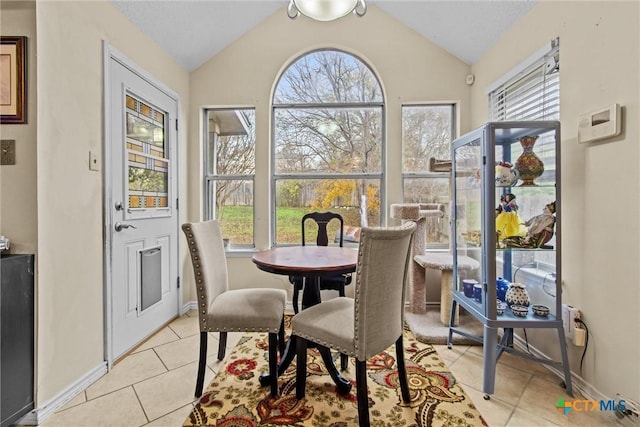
pixel 236 399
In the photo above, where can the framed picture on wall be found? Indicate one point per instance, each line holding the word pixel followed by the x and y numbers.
pixel 13 82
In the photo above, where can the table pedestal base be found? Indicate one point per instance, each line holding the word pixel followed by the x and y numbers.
pixel 343 385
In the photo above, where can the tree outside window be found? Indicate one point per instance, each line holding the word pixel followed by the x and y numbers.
pixel 427 133
pixel 229 172
pixel 328 132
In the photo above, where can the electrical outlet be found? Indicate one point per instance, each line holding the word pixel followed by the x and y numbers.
pixel 8 152
pixel 569 316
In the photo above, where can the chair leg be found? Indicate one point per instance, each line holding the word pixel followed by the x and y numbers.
pixel 362 395
pixel 273 363
pixel 281 342
pixel 222 347
pixel 344 362
pixel 402 371
pixel 202 362
pixel 295 298
pixel 341 291
pixel 301 367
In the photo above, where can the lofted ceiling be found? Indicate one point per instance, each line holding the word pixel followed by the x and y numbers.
pixel 192 31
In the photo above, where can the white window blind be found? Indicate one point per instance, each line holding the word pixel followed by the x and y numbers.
pixel 531 94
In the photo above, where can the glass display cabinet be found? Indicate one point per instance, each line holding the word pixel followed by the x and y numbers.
pixel 506 215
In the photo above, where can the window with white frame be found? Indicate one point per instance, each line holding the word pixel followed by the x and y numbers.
pixel 230 163
pixel 427 132
pixel 532 92
pixel 328 136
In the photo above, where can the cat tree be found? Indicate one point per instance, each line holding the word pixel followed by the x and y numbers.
pixel 418 213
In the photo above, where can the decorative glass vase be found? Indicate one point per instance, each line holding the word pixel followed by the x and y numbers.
pixel 517 295
pixel 528 165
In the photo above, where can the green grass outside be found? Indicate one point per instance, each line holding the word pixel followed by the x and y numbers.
pixel 237 224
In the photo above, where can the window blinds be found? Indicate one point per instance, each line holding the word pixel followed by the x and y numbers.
pixel 531 94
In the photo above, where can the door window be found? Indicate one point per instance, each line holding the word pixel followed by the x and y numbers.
pixel 147 161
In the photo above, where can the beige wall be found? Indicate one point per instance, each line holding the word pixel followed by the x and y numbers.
pixel 55 193
pixel 599 66
pixel 410 68
pixel 70 212
pixel 18 205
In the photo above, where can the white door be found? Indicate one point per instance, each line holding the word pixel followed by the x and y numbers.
pixel 142 217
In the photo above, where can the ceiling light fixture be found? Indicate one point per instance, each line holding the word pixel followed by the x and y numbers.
pixel 325 10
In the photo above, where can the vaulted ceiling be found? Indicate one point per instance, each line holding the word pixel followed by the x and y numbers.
pixel 194 31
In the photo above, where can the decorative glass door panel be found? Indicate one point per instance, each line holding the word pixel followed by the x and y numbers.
pixel 148 163
pixel 468 209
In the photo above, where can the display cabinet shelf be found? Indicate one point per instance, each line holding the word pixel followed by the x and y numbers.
pixel 506 214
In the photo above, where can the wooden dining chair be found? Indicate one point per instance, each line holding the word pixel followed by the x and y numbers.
pixel 337 282
pixel 370 323
pixel 223 310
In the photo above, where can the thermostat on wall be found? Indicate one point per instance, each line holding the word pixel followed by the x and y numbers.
pixel 600 124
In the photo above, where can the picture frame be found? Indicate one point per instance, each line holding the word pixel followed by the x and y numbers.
pixel 13 82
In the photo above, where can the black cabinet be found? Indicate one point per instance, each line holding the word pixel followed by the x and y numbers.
pixel 16 337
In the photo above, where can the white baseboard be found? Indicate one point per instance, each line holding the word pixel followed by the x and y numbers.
pixel 48 408
pixel 191 305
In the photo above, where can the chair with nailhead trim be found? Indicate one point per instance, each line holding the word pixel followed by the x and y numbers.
pixel 223 310
pixel 368 324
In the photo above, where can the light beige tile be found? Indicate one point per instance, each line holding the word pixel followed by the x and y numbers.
pixel 80 398
pixel 170 391
pixel 132 369
pixel 495 411
pixel 509 383
pixel 175 418
pixel 522 363
pixel 592 419
pixel 192 313
pixel 185 326
pixel 120 408
pixel 163 336
pixel 476 349
pixel 522 418
pixel 528 365
pixel 541 397
pixel 452 354
pixel 187 350
pixel 181 352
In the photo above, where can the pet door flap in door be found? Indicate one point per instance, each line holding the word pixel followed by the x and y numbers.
pixel 151 284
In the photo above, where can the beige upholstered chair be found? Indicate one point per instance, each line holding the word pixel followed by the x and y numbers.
pixel 223 310
pixel 370 323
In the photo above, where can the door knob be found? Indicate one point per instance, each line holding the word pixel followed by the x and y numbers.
pixel 119 226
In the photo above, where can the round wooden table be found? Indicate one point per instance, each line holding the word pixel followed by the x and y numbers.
pixel 311 262
pixel 308 261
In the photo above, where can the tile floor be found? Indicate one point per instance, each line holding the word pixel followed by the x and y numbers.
pixel 154 385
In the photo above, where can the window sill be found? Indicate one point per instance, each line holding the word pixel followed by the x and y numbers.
pixel 240 252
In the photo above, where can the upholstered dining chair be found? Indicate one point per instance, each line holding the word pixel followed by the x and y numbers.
pixel 223 310
pixel 371 322
pixel 337 282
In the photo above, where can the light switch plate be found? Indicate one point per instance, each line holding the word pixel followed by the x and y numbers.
pixel 94 163
pixel 8 152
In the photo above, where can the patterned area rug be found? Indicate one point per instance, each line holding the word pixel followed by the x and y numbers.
pixel 236 399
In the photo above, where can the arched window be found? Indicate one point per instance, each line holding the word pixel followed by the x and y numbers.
pixel 328 142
